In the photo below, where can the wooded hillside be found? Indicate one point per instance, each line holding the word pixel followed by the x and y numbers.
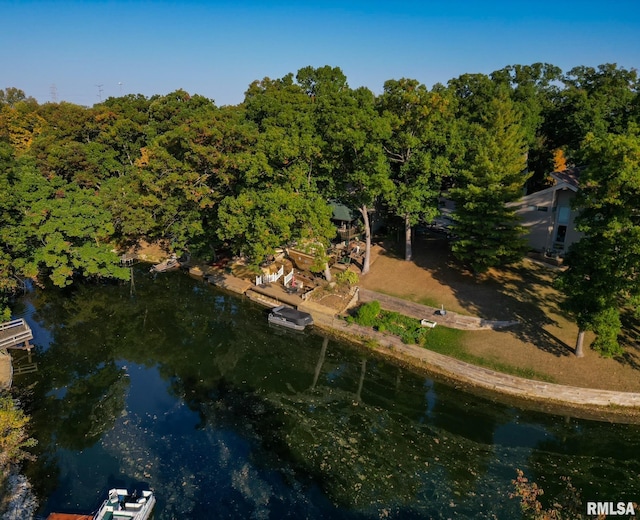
pixel 80 184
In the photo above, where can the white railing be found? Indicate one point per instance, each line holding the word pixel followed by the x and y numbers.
pixel 288 278
pixel 269 278
pixel 13 323
pixel 14 332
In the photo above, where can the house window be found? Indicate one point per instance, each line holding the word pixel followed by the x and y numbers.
pixel 561 234
pixel 563 214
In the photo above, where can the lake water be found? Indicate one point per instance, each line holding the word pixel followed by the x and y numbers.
pixel 174 385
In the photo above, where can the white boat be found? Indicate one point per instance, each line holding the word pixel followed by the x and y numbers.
pixel 122 505
pixel 290 318
pixel 168 265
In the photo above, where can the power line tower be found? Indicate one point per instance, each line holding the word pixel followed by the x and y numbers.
pixel 54 93
pixel 100 92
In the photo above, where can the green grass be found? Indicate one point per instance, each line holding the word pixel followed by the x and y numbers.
pixel 442 340
pixel 407 329
pixel 449 343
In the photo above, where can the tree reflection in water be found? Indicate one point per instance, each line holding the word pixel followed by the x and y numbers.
pixel 188 390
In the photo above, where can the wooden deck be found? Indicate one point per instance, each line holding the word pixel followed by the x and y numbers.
pixel 15 334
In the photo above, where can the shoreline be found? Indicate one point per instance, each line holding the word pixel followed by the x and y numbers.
pixel 585 403
pixel 625 413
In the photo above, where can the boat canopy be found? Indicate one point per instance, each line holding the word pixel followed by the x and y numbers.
pixel 293 315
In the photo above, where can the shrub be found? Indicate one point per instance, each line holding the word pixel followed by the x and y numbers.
pixel 368 313
pixel 347 277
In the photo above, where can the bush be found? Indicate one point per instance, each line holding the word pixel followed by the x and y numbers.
pixel 367 314
pixel 347 277
pixel 606 325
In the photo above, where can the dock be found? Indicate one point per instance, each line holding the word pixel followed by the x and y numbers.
pixel 15 334
pixel 269 294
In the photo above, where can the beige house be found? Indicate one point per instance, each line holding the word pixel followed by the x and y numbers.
pixel 548 216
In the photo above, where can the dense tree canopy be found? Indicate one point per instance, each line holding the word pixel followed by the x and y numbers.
pixel 79 184
pixel 419 149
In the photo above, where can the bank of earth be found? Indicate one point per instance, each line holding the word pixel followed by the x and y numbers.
pixel 541 343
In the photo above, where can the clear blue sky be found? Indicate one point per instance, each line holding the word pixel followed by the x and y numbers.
pixel 218 48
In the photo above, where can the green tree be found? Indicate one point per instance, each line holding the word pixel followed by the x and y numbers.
pixel 257 221
pixel 62 231
pixel 20 124
pixel 487 230
pixel 274 198
pixel 8 279
pixel 422 128
pixel 14 439
pixel 354 165
pixel 533 90
pixel 168 184
pixel 604 266
pixel 594 100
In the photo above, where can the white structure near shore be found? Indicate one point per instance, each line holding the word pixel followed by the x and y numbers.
pixel 548 214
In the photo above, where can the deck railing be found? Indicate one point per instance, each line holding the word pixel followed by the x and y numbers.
pixel 14 332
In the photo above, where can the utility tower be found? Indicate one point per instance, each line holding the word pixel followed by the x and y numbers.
pixel 54 93
pixel 100 92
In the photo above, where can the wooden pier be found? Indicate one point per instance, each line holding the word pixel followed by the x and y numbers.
pixel 15 334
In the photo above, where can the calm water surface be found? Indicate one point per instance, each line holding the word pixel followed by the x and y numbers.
pixel 188 390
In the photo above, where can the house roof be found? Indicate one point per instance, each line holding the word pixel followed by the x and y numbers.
pixel 565 180
pixel 570 177
pixel 341 212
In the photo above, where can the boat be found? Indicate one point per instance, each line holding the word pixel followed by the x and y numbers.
pixel 290 318
pixel 168 265
pixel 120 505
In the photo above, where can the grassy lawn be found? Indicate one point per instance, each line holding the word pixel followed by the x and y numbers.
pixel 449 342
pixel 542 345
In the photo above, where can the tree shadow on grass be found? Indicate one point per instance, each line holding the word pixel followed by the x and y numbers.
pixel 513 293
pixel 629 340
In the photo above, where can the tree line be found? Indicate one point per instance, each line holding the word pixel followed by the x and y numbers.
pixel 78 184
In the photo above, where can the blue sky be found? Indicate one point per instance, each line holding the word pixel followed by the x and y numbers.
pixel 92 49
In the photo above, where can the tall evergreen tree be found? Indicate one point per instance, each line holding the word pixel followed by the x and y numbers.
pixel 487 230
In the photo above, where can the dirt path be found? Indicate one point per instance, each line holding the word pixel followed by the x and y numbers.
pixel 543 342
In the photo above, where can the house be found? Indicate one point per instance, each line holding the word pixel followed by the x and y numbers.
pixel 548 215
